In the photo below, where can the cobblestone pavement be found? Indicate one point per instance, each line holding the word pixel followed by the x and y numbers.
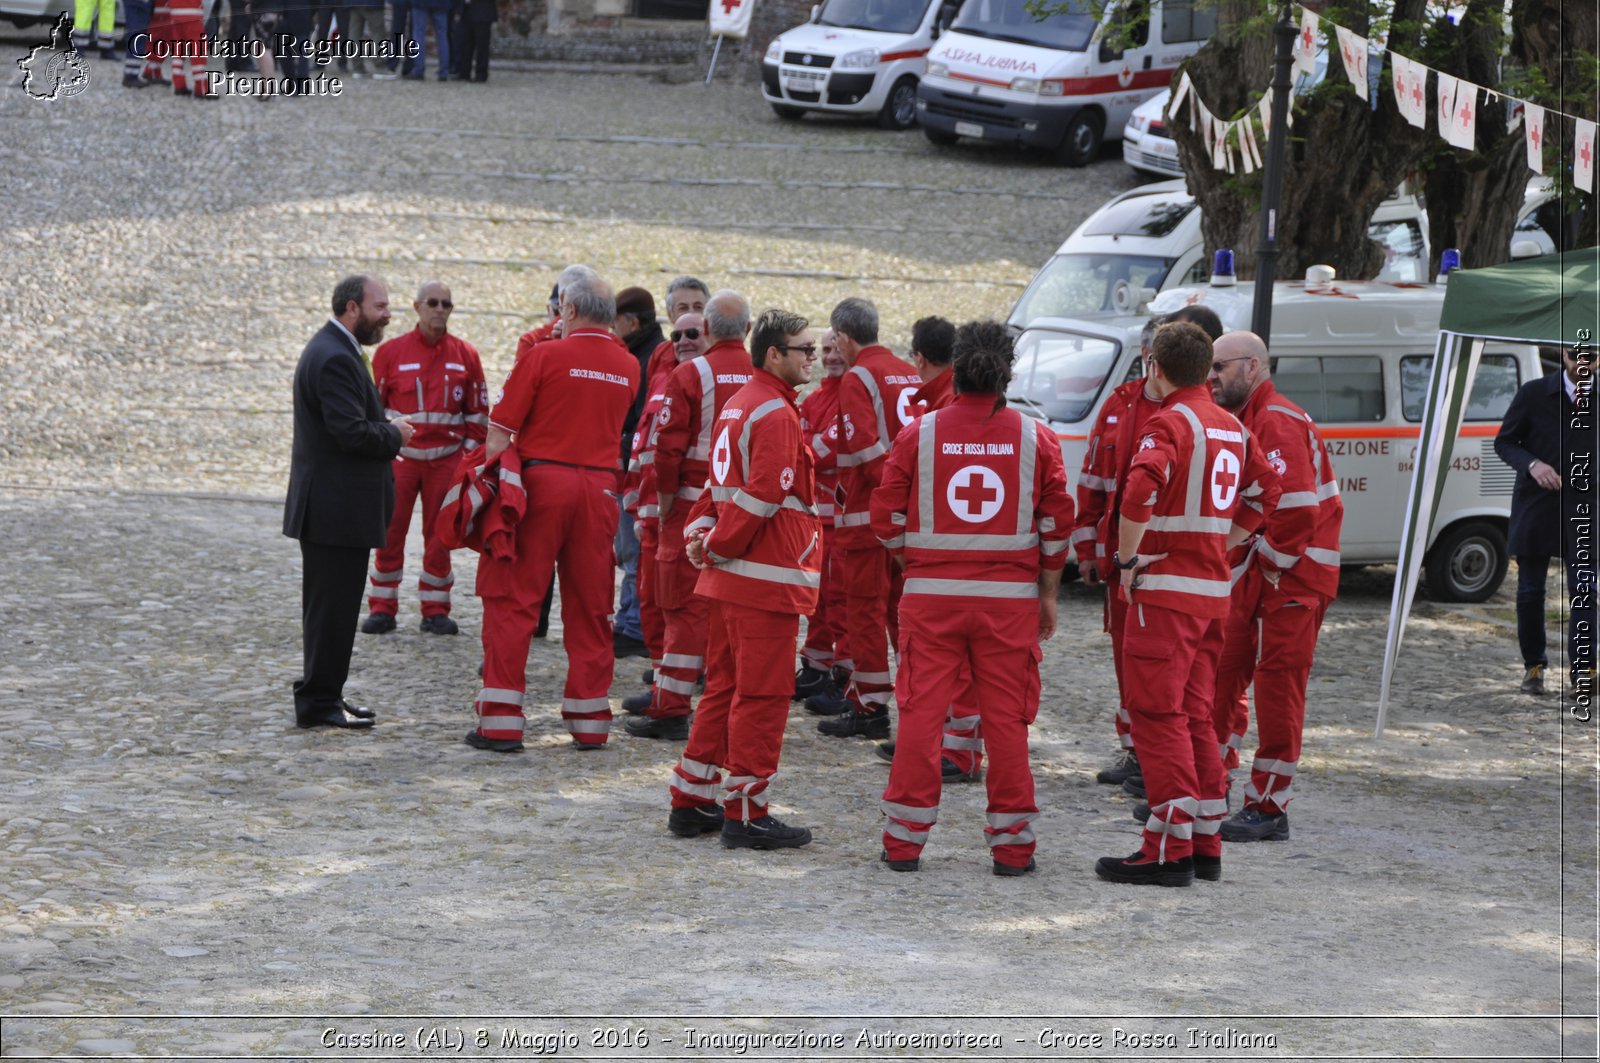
pixel 173 845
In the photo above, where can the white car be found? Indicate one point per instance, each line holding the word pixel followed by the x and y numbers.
pixel 1145 143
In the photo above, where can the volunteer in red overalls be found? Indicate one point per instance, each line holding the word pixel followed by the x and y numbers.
pixel 434 380
pixel 1180 503
pixel 696 393
pixel 686 342
pixel 874 405
pixel 975 501
pixel 1288 579
pixel 825 663
pixel 755 537
pixel 562 408
pixel 1117 430
pixel 187 29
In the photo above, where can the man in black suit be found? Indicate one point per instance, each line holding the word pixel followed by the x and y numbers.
pixel 341 493
pixel 1548 436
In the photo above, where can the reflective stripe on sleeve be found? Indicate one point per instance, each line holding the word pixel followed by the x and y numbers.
pixel 1277 557
pixel 700 449
pixel 1322 556
pixel 852 520
pixel 1216 525
pixel 1297 499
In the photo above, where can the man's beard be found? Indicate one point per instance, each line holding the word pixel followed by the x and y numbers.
pixel 368 331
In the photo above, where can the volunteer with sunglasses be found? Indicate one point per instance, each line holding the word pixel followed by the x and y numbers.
pixel 435 381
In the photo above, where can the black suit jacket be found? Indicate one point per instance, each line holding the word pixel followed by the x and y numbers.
pixel 341 478
pixel 1543 424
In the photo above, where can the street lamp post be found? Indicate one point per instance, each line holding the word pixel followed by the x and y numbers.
pixel 1272 176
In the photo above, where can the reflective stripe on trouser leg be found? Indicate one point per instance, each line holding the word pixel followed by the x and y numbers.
pixel 908 827
pixel 761 646
pixel 389 565
pixel 1169 832
pixel 1005 689
pixel 744 797
pixel 508 624
pixel 1211 778
pixel 437 578
pixel 1288 643
pixel 1116 609
pixel 1236 666
pixel 683 656
pixel 586 570
pixel 963 739
pixel 867 589
pixel 708 733
pixel 694 784
pixel 1170 712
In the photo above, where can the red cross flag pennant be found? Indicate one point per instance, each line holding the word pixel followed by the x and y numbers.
pixel 1462 130
pixel 1305 45
pixel 1354 51
pixel 1533 132
pixel 1583 159
pixel 1410 89
pixel 731 18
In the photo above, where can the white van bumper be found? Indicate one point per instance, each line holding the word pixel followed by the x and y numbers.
pixel 816 87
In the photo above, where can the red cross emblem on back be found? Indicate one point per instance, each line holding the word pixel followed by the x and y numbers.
pixel 975 494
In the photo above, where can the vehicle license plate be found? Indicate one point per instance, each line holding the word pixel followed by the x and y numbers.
pixel 969 129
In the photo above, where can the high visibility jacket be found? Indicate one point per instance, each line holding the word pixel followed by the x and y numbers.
pixel 935 394
pixel 439 388
pixel 483 507
pixel 565 400
pixel 1116 433
pixel 1300 538
pixel 874 405
pixel 819 420
pixel 639 484
pixel 696 392
pixel 763 536
pixel 530 339
pixel 976 503
pixel 1187 480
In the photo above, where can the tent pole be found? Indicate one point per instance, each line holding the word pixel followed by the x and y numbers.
pixel 715 51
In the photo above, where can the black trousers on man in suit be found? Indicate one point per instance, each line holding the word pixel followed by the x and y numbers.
pixel 331 584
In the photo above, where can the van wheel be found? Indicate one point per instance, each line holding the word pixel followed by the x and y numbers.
pixel 787 113
pixel 1082 143
pixel 939 137
pixel 1467 564
pixel 900 109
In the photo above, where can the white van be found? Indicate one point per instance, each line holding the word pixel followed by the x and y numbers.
pixel 1355 355
pixel 1061 83
pixel 1149 237
pixel 861 57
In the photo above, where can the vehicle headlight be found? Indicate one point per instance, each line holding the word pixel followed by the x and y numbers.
pixel 1025 85
pixel 859 60
pixel 1052 87
pixel 938 70
pixel 774 51
pixel 1138 122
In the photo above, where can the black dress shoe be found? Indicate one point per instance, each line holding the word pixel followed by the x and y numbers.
pixel 672 728
pixel 440 625
pixel 495 745
pixel 336 717
pixel 360 712
pixel 377 624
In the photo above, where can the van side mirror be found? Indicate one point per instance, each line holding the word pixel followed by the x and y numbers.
pixel 1109 54
pixel 947 15
pixel 816 12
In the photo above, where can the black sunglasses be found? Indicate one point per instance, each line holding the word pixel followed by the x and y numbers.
pixel 688 333
pixel 447 304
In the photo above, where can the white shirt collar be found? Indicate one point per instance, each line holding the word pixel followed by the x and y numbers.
pixel 340 326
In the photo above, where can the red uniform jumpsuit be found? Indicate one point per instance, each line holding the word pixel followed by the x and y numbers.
pixel 1116 432
pixel 977 501
pixel 874 405
pixel 1283 588
pixel 764 551
pixel 639 498
pixel 439 387
pixel 696 393
pixel 161 41
pixel 1186 481
pixel 187 29
pixel 825 647
pixel 564 403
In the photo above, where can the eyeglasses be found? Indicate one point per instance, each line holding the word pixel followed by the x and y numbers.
pixel 435 303
pixel 685 334
pixel 809 349
pixel 1218 367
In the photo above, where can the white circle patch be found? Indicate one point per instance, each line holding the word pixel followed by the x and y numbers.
pixel 904 408
pixel 975 493
pixel 722 457
pixel 458 393
pixel 786 479
pixel 1224 479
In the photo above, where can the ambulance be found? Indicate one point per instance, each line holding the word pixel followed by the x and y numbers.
pixel 1061 83
pixel 1355 355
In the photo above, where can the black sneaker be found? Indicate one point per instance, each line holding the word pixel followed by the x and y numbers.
pixel 627 646
pixel 1208 868
pixel 1126 764
pixel 440 625
pixel 857 724
pixel 497 745
pixel 828 703
pixel 1141 811
pixel 809 681
pixel 638 704
pixel 886 752
pixel 950 771
pixel 693 822
pixel 1254 825
pixel 1133 786
pixel 1013 871
pixel 377 624
pixel 899 865
pixel 1138 871
pixel 764 832
pixel 672 728
pixel 649 677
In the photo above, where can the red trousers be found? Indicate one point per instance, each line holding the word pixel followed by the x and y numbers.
pixel 188 22
pixel 1170 666
pixel 872 606
pixel 687 616
pixel 431 480
pixel 739 725
pixel 1271 638
pixel 651 622
pixel 1116 611
pixel 999 649
pixel 825 629
pixel 569 527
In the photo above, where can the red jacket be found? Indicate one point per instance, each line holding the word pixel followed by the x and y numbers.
pixel 936 394
pixel 874 405
pixel 696 392
pixel 1301 536
pixel 566 399
pixel 639 485
pixel 1116 432
pixel 762 531
pixel 1188 477
pixel 439 387
pixel 976 502
pixel 528 340
pixel 819 420
pixel 483 507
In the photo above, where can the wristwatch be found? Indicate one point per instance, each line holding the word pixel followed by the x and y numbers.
pixel 1117 562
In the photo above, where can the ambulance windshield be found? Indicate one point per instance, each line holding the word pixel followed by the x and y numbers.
pixel 884 16
pixel 1079 284
pixel 1069 27
pixel 1060 374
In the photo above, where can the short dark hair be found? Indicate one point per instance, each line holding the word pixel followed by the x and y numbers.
pixel 1183 351
pixel 981 359
pixel 772 329
pixel 1198 314
pixel 856 318
pixel 934 338
pixel 353 289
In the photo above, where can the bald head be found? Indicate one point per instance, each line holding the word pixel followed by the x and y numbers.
pixel 433 307
pixel 1239 366
pixel 727 316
